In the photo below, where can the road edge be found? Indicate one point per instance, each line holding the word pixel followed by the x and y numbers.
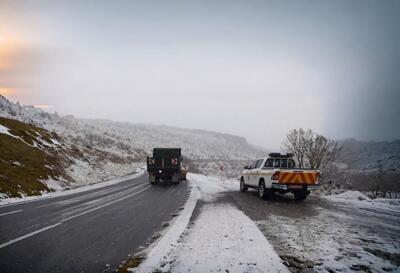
pixel 16 201
pixel 160 249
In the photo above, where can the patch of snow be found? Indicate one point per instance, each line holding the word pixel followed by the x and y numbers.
pixel 359 199
pixel 350 195
pixel 4 130
pixel 16 163
pixel 210 187
pixel 55 142
pixel 52 184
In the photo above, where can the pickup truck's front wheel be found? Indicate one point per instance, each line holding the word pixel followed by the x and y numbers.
pixel 243 186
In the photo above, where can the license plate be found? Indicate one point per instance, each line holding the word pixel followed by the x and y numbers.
pixel 295 187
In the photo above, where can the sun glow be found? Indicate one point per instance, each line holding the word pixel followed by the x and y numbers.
pixel 6 91
pixel 9 45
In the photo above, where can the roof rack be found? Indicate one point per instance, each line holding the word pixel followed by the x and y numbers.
pixel 287 155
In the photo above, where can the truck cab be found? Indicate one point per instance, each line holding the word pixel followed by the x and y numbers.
pixel 278 173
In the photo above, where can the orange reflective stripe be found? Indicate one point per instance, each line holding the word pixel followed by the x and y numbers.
pixel 301 178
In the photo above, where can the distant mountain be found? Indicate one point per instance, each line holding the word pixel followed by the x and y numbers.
pixel 366 155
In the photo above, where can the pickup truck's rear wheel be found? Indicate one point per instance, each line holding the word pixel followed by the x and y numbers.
pixel 300 195
pixel 243 186
pixel 265 193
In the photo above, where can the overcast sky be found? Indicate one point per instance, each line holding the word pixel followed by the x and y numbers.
pixel 251 68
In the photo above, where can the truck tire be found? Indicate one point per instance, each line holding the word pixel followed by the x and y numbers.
pixel 243 186
pixel 262 191
pixel 300 195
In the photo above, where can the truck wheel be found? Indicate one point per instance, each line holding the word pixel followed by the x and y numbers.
pixel 265 193
pixel 262 192
pixel 300 195
pixel 243 186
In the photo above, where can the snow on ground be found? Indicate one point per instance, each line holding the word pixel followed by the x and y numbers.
pixel 220 239
pixel 5 130
pixel 359 199
pixel 52 184
pixel 84 172
pixel 331 242
pixel 337 234
pixel 223 239
pixel 64 192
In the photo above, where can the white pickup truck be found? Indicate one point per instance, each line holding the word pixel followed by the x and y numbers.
pixel 278 173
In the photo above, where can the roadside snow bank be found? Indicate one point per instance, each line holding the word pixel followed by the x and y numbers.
pixel 349 195
pixel 359 199
pixel 221 239
pixel 8 201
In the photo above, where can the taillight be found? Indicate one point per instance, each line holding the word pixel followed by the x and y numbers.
pixel 317 177
pixel 275 176
pixel 174 161
pixel 151 161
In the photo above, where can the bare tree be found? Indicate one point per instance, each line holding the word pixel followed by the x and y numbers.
pixel 297 141
pixel 320 151
pixel 376 181
pixel 310 150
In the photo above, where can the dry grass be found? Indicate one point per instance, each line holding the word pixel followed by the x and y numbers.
pixel 133 262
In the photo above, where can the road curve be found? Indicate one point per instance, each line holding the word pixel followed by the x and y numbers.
pixel 91 231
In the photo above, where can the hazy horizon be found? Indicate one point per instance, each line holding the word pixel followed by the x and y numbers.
pixel 255 69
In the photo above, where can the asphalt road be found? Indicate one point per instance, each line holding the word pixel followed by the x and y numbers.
pixel 91 231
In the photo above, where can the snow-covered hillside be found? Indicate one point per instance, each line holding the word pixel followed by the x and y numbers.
pixel 101 149
pixel 137 139
pixel 366 155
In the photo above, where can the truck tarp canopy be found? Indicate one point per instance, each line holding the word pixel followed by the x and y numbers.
pixel 167 152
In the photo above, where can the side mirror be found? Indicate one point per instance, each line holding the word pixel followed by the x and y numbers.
pixel 246 167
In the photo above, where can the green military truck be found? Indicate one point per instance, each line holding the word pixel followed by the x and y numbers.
pixel 166 165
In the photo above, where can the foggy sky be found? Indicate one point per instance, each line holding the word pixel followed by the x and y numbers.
pixel 251 68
